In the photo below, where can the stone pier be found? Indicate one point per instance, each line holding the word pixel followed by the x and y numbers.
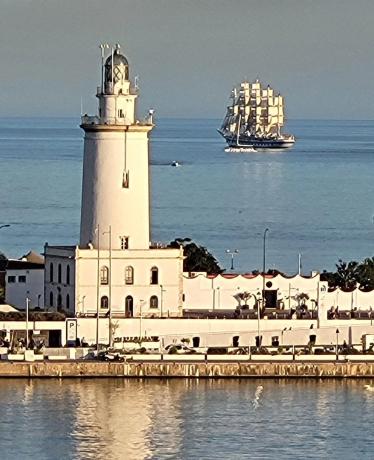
pixel 142 369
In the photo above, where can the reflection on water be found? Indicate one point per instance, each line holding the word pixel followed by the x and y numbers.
pixel 185 419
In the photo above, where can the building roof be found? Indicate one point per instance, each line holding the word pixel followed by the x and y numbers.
pixel 33 257
pixel 5 308
pixel 118 59
pixel 24 265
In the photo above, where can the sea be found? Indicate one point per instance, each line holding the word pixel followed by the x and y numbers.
pixel 120 419
pixel 316 199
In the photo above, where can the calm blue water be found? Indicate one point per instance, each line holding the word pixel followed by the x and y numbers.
pixel 185 420
pixel 316 199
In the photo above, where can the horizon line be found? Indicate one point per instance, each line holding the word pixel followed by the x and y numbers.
pixel 17 117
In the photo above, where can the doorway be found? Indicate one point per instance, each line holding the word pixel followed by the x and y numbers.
pixel 129 307
pixel 270 296
pixel 54 338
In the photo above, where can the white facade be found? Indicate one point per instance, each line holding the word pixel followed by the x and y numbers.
pixel 24 280
pixel 114 279
pixel 224 292
pixel 125 282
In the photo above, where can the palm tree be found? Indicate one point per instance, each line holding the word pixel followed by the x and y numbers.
pixel 347 274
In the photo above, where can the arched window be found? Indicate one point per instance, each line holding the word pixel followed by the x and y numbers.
pixel 129 275
pixel 67 301
pixel 51 272
pixel 51 299
pixel 153 302
pixel 129 307
pixel 104 275
pixel 104 302
pixel 59 273
pixel 154 275
pixel 59 301
pixel 68 274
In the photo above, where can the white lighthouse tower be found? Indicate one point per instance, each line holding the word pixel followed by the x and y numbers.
pixel 115 270
pixel 115 188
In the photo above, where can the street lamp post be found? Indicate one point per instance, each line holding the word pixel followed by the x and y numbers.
pixel 264 267
pixel 337 344
pixel 258 322
pixel 257 304
pixel 109 232
pixel 232 253
pixel 27 322
pixel 81 302
pixel 162 290
pixel 140 319
pixel 282 332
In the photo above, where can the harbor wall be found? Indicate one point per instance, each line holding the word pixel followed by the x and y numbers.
pixel 175 369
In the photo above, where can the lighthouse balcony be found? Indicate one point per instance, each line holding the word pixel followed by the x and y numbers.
pixel 110 90
pixel 94 120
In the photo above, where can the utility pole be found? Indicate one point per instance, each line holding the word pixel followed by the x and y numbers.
pixel 98 289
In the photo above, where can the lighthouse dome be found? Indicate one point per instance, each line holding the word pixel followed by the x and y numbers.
pixel 120 65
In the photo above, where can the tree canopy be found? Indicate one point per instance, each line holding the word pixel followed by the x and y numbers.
pixel 197 258
pixel 349 275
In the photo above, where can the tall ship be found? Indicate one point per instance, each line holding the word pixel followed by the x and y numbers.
pixel 254 119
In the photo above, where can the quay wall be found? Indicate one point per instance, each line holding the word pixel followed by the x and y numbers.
pixel 291 369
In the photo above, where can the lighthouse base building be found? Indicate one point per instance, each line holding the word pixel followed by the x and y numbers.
pixel 129 283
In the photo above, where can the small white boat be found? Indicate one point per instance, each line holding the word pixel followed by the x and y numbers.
pixel 175 164
pixel 240 149
pixel 369 388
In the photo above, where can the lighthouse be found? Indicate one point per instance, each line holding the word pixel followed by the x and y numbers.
pixel 115 270
pixel 115 185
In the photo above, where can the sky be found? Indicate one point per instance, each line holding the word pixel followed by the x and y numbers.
pixel 189 53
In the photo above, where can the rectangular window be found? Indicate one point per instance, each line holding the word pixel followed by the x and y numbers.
pixel 104 275
pixel 11 279
pixel 22 279
pixel 124 242
pixel 129 275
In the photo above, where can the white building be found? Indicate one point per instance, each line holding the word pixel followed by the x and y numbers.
pixel 25 279
pixel 115 269
pixel 116 277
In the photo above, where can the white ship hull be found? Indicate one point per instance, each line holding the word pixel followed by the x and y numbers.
pixel 243 141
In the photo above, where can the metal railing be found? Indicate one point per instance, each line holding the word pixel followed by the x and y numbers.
pixel 111 121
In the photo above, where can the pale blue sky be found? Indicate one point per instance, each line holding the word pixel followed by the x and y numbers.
pixel 189 53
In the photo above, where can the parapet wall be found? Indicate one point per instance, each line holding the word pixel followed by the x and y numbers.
pixel 188 370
